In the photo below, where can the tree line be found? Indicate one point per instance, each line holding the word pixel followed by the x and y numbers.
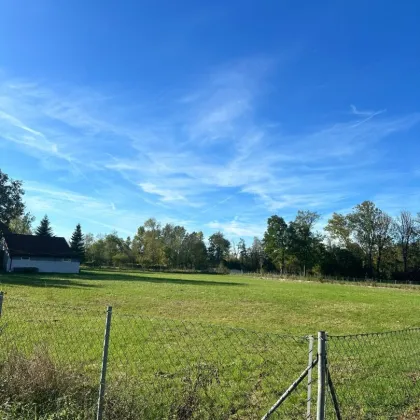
pixel 366 242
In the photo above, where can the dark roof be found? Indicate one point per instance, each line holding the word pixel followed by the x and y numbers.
pixel 39 246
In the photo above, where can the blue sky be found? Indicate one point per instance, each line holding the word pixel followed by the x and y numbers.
pixel 214 115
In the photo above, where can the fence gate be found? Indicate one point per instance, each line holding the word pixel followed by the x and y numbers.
pixel 324 384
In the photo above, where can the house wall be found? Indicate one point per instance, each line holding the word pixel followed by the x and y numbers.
pixel 46 265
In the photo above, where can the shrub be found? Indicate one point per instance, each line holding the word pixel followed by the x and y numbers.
pixel 25 270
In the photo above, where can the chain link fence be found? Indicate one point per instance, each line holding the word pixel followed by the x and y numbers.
pixel 376 376
pixel 52 359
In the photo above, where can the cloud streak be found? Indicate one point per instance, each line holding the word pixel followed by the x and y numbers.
pixel 209 145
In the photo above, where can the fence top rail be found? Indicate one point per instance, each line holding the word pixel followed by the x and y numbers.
pixel 376 334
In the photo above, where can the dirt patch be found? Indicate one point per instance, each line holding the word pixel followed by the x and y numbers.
pixel 412 414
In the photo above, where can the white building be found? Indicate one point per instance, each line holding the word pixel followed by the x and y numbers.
pixel 38 253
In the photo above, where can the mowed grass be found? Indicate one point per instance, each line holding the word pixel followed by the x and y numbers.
pixel 191 346
pixel 290 307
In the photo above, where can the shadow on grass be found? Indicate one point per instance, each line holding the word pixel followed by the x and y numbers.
pixel 141 277
pixel 42 280
pixel 74 280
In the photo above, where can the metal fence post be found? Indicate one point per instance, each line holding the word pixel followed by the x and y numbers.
pixel 102 383
pixel 1 302
pixel 322 364
pixel 310 358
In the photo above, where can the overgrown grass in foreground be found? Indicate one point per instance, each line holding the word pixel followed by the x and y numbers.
pixel 162 367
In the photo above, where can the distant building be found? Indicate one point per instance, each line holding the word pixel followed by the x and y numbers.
pixel 39 253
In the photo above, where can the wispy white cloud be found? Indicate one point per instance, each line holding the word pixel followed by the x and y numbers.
pixel 72 207
pixel 167 195
pixel 19 124
pixel 396 200
pixel 226 104
pixel 223 201
pixel 365 113
pixel 208 146
pixel 30 138
pixel 237 228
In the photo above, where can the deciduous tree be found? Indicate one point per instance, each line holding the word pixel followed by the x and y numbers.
pixel 276 241
pixel 218 248
pixel 383 237
pixel 364 223
pixel 148 243
pixel 11 199
pixel 304 242
pixel 22 224
pixel 405 230
pixel 242 253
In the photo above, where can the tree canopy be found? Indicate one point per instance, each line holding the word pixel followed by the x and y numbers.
pixel 363 242
pixel 11 199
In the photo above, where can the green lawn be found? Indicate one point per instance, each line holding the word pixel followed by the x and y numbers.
pixel 264 305
pixel 190 346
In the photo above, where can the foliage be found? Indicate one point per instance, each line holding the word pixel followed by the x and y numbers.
pixel 378 241
pixel 406 231
pixel 11 199
pixel 22 224
pixel 149 245
pixel 218 248
pixel 44 228
pixel 276 241
pixel 194 252
pixel 77 243
pixel 293 247
pixel 366 242
pixel 304 242
pixel 110 250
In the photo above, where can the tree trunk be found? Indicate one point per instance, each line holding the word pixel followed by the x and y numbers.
pixel 378 264
pixel 282 262
pixel 405 258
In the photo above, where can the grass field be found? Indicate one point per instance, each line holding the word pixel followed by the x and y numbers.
pixel 191 346
pixel 265 305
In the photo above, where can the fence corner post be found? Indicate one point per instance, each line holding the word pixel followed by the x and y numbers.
pixel 1 302
pixel 310 360
pixel 322 365
pixel 102 382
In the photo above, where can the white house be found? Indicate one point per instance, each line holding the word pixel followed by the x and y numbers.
pixel 42 253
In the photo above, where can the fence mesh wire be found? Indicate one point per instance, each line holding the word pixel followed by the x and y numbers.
pixel 50 364
pixel 50 359
pixel 375 375
pixel 157 368
pixel 174 369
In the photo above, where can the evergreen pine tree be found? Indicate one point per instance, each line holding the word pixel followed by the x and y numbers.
pixel 77 242
pixel 44 228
